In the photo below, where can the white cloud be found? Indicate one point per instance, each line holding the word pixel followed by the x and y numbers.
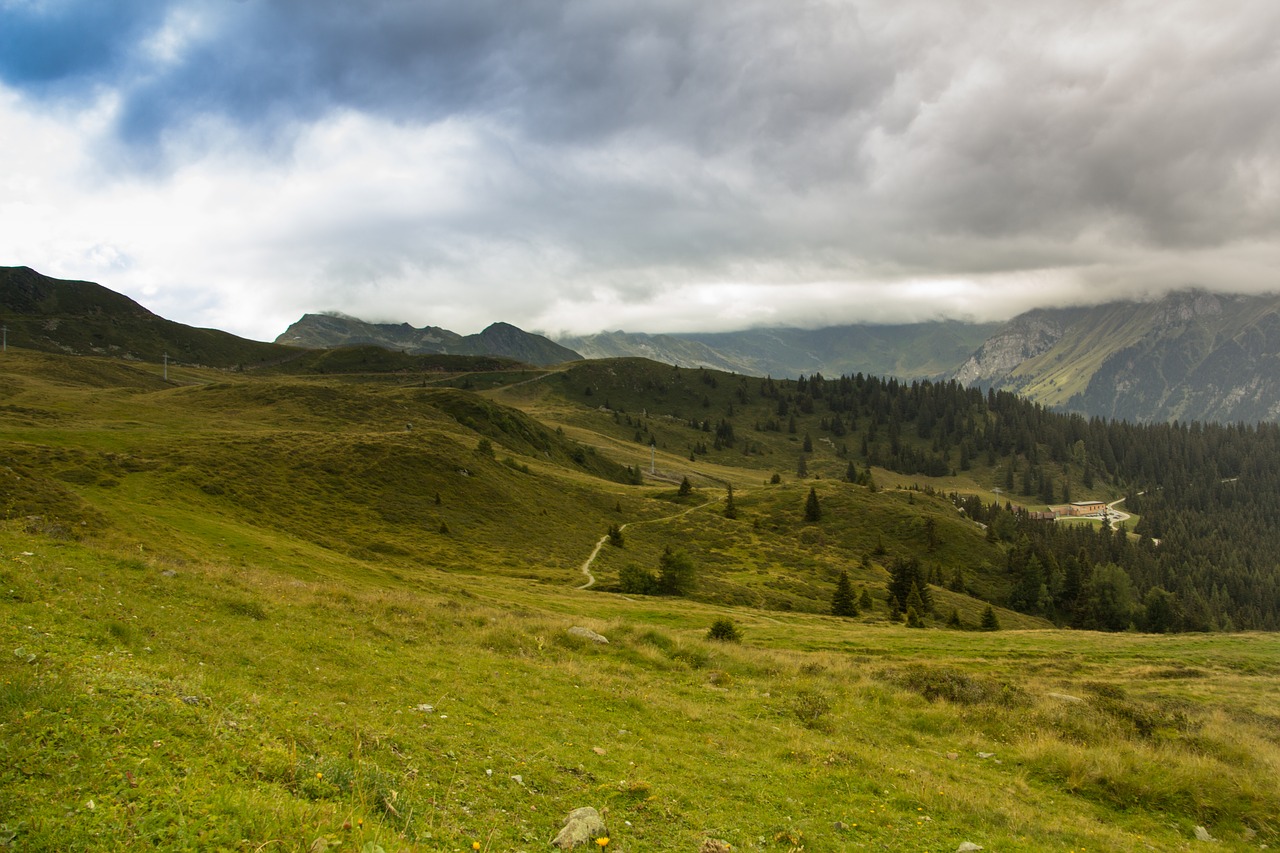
pixel 656 166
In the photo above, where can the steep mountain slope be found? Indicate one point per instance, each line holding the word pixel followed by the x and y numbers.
pixel 1189 356
pixel 327 331
pixel 81 317
pixel 910 351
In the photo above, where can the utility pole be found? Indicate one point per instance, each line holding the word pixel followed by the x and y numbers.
pixel 653 456
pixel 166 366
pixel 6 339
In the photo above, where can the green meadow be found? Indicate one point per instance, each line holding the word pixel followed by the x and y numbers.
pixel 306 612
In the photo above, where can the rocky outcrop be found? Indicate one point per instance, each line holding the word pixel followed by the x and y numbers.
pixel 1190 356
pixel 1021 339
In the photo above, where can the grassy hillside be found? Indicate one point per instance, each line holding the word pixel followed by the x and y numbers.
pixel 313 612
pixel 1189 356
pixel 81 317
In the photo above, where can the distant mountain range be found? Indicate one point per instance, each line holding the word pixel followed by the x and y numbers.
pixel 912 351
pixel 1192 355
pixel 325 331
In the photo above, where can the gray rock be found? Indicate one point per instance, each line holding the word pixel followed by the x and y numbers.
pixel 968 847
pixel 587 634
pixel 582 826
pixel 1202 834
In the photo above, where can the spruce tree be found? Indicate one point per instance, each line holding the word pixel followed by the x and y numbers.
pixel 914 602
pixel 989 620
pixel 730 509
pixel 865 601
pixel 895 609
pixel 675 572
pixel 842 603
pixel 906 577
pixel 812 509
pixel 686 488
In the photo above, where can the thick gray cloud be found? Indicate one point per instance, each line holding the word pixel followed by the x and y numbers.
pixel 588 164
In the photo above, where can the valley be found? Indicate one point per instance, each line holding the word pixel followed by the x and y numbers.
pixel 310 608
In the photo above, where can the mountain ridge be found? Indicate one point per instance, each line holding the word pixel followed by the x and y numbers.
pixel 85 318
pixel 330 330
pixel 1191 355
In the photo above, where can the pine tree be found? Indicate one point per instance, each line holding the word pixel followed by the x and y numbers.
pixel 675 572
pixel 615 535
pixel 865 601
pixel 989 620
pixel 686 488
pixel 954 620
pixel 730 509
pixel 905 577
pixel 812 509
pixel 842 602
pixel 914 602
pixel 802 467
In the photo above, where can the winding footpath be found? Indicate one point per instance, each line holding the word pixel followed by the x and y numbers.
pixel 595 552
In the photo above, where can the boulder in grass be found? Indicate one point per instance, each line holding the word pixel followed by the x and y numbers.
pixel 588 634
pixel 582 826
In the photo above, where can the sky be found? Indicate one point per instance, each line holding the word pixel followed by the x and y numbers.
pixel 574 166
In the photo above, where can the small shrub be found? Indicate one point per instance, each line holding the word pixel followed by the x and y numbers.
pixel 940 682
pixel 657 639
pixel 635 580
pixel 811 709
pixel 694 657
pixel 719 678
pixel 120 632
pixel 723 629
pixel 251 609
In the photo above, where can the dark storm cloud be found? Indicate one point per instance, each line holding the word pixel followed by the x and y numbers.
pixel 637 149
pixel 712 75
